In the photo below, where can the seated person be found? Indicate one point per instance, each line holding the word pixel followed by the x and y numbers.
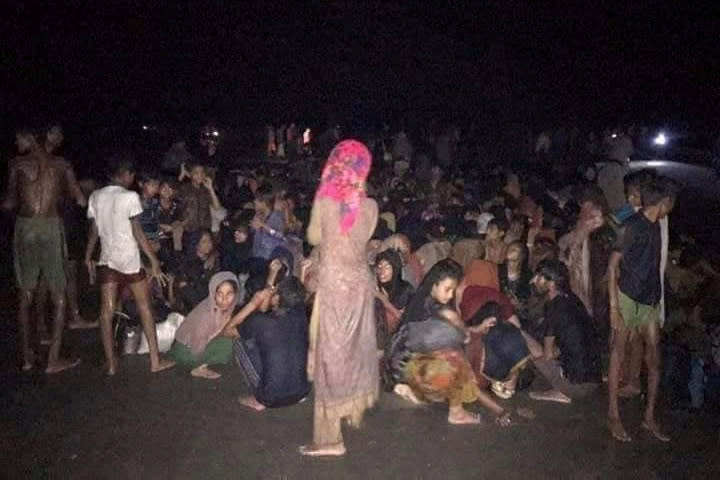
pixel 437 247
pixel 496 349
pixel 294 224
pixel 514 278
pixel 268 225
pixel 495 245
pixel 272 348
pixel 438 371
pixel 199 200
pixel 236 247
pixel 412 271
pixel 169 216
pixel 149 182
pixel 480 273
pixel 570 360
pixel 466 250
pixel 393 293
pixel 200 341
pixel 262 273
pixel 193 273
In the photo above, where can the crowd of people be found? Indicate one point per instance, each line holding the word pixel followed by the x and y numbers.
pixel 436 277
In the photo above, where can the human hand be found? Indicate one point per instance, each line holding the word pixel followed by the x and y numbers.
pixel 305 265
pixel 91 268
pixel 532 234
pixel 487 324
pixel 382 295
pixel 261 297
pixel 275 266
pixel 257 224
pixel 514 320
pixel 157 274
pixel 593 223
pixel 616 319
pixel 208 182
pixel 230 332
pixel 281 205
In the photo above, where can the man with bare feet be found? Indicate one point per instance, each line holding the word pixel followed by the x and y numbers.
pixel 635 292
pixel 114 213
pixel 53 142
pixel 272 349
pixel 36 182
pixel 569 359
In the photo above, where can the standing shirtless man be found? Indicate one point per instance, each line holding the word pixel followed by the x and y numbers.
pixel 36 181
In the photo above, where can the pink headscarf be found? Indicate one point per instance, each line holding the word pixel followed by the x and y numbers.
pixel 343 179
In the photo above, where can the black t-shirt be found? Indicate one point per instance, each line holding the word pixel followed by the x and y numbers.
pixel 282 341
pixel 567 320
pixel 640 244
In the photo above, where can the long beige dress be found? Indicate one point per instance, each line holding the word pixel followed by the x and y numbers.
pixel 345 372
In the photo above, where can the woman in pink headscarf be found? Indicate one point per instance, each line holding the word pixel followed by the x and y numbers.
pixel 342 361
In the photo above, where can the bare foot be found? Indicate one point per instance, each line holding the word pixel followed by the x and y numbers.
pixel 406 392
pixel 111 367
pixel 79 323
pixel 629 390
pixel 204 372
pixel 28 361
pixel 163 364
pixel 550 396
pixel 461 416
pixel 618 431
pixel 251 402
pixel 526 413
pixel 326 451
pixel 60 365
pixel 652 427
pixel 503 420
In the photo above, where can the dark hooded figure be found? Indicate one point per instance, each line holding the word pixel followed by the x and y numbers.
pixel 393 293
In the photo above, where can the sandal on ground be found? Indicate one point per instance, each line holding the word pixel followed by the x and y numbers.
pixel 501 390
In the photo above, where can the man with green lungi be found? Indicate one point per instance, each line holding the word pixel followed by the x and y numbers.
pixel 36 182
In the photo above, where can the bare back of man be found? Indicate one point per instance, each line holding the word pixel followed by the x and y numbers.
pixel 36 183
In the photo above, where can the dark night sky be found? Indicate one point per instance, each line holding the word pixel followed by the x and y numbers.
pixel 252 62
